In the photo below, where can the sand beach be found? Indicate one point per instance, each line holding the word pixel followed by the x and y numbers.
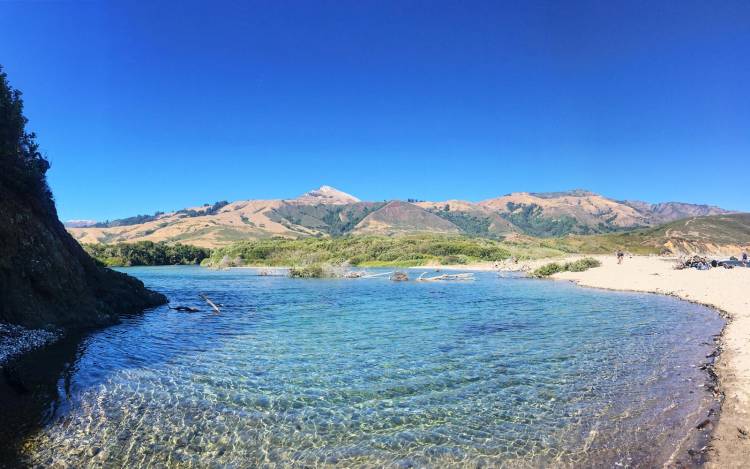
pixel 727 290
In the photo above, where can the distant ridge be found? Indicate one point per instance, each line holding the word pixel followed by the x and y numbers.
pixel 570 193
pixel 79 223
pixel 327 211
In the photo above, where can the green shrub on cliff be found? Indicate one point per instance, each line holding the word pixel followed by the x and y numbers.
pixel 21 162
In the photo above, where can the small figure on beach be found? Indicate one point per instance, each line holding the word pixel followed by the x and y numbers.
pixel 620 256
pixel 744 257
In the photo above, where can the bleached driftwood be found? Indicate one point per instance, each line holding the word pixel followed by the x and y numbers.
pixel 377 275
pixel 210 303
pixel 466 276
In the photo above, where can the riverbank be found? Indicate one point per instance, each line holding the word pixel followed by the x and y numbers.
pixel 726 290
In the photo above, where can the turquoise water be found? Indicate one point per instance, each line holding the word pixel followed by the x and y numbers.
pixel 368 372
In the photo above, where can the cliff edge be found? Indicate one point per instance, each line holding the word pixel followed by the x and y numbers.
pixel 46 278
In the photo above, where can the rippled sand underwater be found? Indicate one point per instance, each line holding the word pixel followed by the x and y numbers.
pixel 320 373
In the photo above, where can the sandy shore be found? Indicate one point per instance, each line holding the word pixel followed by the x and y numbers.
pixel 727 290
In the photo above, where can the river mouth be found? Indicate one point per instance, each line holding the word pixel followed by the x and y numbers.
pixel 372 373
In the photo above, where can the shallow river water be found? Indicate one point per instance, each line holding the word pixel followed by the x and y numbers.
pixel 496 372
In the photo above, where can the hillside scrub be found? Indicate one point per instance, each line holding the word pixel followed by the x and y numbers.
pixel 362 251
pixel 640 242
pixel 310 271
pixel 146 253
pixel 576 266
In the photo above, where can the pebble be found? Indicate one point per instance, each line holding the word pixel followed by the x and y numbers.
pixel 15 340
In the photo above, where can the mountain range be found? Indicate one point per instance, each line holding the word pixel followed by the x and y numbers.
pixel 327 211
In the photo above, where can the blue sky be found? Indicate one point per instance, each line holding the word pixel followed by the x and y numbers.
pixel 145 106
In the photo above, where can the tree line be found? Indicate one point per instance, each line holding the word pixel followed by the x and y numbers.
pixel 146 253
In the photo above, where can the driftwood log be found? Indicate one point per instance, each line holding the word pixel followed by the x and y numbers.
pixel 445 277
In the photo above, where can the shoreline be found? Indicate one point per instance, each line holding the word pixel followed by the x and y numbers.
pixel 721 290
pixel 727 292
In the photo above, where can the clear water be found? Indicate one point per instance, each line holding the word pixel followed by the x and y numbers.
pixel 368 372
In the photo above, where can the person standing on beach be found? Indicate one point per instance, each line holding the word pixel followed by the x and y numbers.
pixel 620 256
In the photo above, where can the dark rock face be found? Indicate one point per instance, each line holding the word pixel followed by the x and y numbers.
pixel 46 278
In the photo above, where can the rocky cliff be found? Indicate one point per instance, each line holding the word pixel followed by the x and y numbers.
pixel 46 278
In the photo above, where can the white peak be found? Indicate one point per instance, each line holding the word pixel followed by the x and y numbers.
pixel 327 195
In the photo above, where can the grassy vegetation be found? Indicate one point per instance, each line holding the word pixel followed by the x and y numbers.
pixel 370 251
pixel 717 229
pixel 641 242
pixel 576 266
pixel 415 250
pixel 146 253
pixel 697 234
